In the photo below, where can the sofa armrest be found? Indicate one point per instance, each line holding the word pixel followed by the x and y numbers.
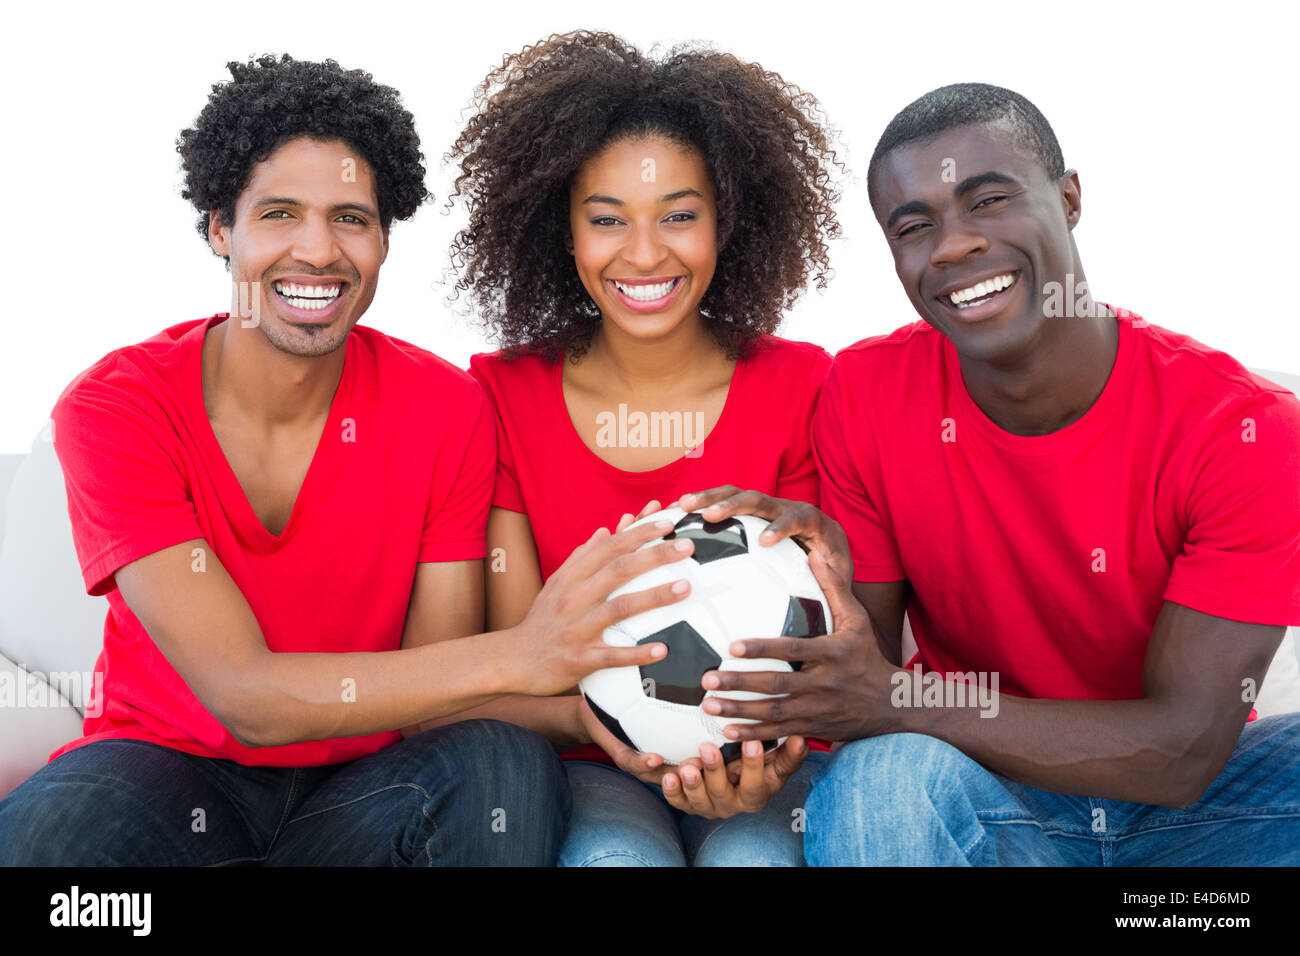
pixel 35 721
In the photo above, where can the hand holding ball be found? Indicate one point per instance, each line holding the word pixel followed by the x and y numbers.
pixel 739 589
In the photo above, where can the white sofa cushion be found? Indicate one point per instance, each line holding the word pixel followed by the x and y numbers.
pixel 37 723
pixel 48 622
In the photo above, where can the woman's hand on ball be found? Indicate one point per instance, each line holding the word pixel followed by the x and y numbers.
pixel 646 767
pixel 789 519
pixel 651 507
pixel 708 787
pixel 559 642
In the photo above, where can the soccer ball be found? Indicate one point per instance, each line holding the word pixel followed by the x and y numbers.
pixel 739 589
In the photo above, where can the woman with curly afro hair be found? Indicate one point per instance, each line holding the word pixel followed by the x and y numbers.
pixel 637 228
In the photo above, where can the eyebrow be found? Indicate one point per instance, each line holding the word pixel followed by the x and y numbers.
pixel 967 185
pixel 341 207
pixel 671 197
pixel 971 183
pixel 905 210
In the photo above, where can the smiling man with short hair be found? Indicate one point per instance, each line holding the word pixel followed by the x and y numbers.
pixel 1098 517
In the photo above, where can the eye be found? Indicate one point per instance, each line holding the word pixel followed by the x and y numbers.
pixel 273 214
pixel 680 217
pixel 990 199
pixel 910 229
pixel 355 219
pixel 604 221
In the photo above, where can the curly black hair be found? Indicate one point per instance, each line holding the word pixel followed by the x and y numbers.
pixel 546 110
pixel 270 101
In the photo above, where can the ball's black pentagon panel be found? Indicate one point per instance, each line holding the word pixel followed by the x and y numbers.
pixel 804 617
pixel 677 676
pixel 714 540
pixel 612 725
pixel 732 752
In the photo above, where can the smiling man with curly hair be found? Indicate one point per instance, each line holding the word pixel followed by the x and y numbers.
pixel 286 511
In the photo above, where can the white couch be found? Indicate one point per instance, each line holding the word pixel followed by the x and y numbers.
pixel 51 631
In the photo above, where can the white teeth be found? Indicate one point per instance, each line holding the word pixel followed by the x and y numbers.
pixel 311 305
pixel 646 293
pixel 980 289
pixel 323 294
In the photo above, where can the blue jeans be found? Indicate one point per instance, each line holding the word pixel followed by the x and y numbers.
pixel 620 821
pixel 478 792
pixel 910 799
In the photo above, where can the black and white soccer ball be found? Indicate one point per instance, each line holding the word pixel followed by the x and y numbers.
pixel 739 589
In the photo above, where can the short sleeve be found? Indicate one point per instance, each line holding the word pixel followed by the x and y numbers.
pixel 455 526
pixel 844 495
pixel 1241 557
pixel 507 493
pixel 798 480
pixel 128 495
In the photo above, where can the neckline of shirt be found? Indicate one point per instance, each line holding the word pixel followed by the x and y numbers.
pixel 1096 418
pixel 557 386
pixel 248 523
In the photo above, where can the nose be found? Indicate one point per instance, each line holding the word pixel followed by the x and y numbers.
pixel 314 242
pixel 955 242
pixel 645 248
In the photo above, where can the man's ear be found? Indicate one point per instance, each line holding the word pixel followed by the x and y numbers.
pixel 383 232
pixel 1071 197
pixel 218 235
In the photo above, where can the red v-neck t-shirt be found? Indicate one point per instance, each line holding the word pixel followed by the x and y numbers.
pixel 1047 558
pixel 546 471
pixel 402 474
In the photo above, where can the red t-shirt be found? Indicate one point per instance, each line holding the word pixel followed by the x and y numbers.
pixel 402 475
pixel 1047 558
pixel 546 471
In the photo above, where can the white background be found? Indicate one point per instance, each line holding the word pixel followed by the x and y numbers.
pixel 1180 119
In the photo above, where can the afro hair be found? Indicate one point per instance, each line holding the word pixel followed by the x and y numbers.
pixel 270 101
pixel 547 109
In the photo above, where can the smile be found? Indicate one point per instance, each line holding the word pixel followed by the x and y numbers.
pixel 652 294
pixel 309 298
pixel 645 291
pixel 982 292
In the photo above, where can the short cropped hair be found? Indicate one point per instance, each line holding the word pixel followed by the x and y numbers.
pixel 968 104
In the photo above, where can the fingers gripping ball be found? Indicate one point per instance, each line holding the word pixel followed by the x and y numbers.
pixel 739 589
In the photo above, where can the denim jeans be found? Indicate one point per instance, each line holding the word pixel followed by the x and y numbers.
pixel 620 821
pixel 479 792
pixel 910 799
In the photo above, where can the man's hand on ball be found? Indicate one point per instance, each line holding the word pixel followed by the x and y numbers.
pixel 646 767
pixel 708 787
pixel 560 641
pixel 789 519
pixel 841 692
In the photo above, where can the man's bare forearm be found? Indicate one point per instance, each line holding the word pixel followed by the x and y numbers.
pixel 1133 750
pixel 287 698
